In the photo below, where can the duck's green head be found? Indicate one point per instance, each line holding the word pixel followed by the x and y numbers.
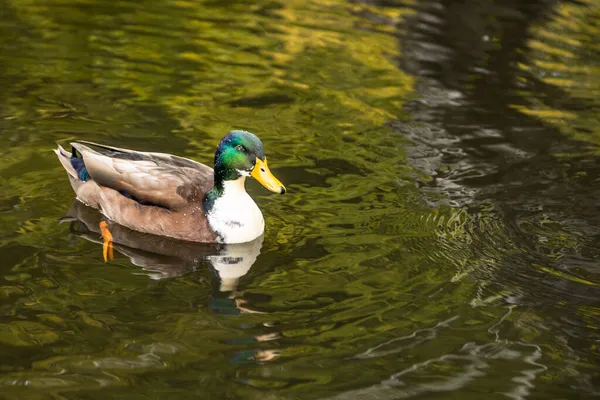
pixel 241 153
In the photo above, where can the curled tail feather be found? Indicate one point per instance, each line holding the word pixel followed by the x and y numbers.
pixel 65 159
pixel 74 166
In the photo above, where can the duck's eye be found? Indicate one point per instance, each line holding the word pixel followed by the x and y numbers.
pixel 239 147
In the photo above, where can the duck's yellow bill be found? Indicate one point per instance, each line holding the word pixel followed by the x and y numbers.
pixel 262 174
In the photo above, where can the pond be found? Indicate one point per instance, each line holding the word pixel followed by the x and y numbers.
pixel 440 237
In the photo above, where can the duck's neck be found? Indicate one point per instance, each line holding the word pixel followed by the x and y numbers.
pixel 232 213
pixel 221 179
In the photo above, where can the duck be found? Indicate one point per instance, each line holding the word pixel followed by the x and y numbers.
pixel 172 196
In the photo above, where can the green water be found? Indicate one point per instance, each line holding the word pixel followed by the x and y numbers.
pixel 439 238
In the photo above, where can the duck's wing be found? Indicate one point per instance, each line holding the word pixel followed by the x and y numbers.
pixel 149 178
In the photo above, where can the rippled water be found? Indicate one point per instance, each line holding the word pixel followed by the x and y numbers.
pixel 440 238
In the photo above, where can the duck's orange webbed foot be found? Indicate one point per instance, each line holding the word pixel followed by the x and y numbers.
pixel 107 247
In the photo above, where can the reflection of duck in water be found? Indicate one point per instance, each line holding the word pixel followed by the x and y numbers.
pixel 166 257
pixel 166 195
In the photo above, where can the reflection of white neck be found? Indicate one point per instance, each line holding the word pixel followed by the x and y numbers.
pixel 234 262
pixel 234 215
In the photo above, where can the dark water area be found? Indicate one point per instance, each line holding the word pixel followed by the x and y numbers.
pixel 440 235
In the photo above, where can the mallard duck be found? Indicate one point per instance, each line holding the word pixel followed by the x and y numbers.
pixel 172 196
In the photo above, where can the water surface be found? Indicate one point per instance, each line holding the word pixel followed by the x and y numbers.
pixel 439 238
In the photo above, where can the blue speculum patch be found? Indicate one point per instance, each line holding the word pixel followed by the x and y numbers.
pixel 79 166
